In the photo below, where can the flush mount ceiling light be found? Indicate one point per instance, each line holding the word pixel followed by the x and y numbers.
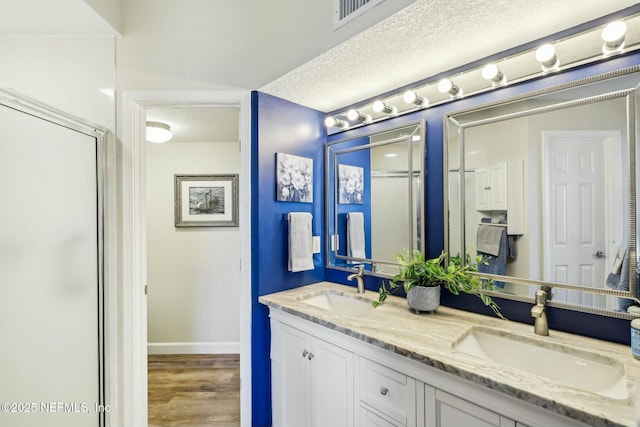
pixel 492 73
pixel 447 86
pixel 613 36
pixel 410 97
pixel 546 56
pixel 381 107
pixel 332 122
pixel 158 132
pixel 356 116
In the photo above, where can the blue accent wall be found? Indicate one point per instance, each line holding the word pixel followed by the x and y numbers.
pixel 278 126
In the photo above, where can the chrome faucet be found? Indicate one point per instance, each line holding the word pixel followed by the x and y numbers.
pixel 359 278
pixel 539 313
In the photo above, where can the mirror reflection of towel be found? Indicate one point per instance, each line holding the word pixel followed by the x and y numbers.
pixel 618 278
pixel 494 245
pixel 355 235
pixel 489 238
pixel 300 242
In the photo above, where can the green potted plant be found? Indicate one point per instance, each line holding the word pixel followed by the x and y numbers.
pixel 422 280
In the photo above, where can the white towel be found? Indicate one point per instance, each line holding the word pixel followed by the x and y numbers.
pixel 300 242
pixel 355 235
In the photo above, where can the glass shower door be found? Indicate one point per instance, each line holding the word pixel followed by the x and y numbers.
pixel 50 304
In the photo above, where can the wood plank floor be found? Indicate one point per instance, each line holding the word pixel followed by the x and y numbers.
pixel 194 390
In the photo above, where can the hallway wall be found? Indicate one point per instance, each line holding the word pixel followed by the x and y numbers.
pixel 193 272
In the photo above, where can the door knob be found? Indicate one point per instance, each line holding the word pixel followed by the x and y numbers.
pixel 304 353
pixel 599 254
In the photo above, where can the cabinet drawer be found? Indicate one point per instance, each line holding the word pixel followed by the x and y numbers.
pixel 389 391
pixel 369 419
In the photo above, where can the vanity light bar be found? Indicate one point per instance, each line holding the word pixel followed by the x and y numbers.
pixel 602 42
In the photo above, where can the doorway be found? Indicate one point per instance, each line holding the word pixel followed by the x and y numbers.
pixel 193 271
pixel 134 333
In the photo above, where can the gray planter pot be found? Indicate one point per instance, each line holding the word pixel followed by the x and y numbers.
pixel 421 298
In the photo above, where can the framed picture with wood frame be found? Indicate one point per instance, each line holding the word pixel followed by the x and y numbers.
pixel 206 200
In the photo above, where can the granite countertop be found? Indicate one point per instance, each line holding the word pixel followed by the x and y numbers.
pixel 429 339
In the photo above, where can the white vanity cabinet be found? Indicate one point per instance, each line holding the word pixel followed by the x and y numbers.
pixel 325 378
pixel 312 380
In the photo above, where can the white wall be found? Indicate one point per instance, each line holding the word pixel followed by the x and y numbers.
pixel 193 273
pixel 64 72
pixel 109 10
pixel 212 45
pixel 186 45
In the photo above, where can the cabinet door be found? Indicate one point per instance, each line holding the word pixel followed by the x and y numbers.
pixel 445 410
pixel 331 392
pixel 483 187
pixel 498 187
pixel 290 377
pixel 491 188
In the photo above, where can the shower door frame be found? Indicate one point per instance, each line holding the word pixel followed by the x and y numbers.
pixel 105 182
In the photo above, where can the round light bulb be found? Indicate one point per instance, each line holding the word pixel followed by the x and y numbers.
pixel 491 72
pixel 445 86
pixel 613 34
pixel 353 115
pixel 330 122
pixel 379 106
pixel 546 55
pixel 409 97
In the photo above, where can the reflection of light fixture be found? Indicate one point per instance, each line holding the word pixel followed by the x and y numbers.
pixel 381 107
pixel 447 86
pixel 410 97
pixel 356 116
pixel 391 155
pixel 158 132
pixel 492 73
pixel 332 122
pixel 613 37
pixel 546 56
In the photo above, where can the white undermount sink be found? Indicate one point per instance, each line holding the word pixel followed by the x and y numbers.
pixel 571 367
pixel 345 305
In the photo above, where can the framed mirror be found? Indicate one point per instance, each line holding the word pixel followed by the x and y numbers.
pixel 374 200
pixel 543 187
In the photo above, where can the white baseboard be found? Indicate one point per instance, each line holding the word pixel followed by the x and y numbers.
pixel 194 348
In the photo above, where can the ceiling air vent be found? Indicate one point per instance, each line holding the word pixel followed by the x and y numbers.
pixel 347 10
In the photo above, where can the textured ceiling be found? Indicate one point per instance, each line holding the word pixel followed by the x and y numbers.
pixel 427 38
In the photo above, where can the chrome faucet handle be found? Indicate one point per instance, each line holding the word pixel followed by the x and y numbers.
pixel 541 297
pixel 360 269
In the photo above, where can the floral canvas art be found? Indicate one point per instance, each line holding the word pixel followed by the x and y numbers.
pixel 295 178
pixel 350 184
